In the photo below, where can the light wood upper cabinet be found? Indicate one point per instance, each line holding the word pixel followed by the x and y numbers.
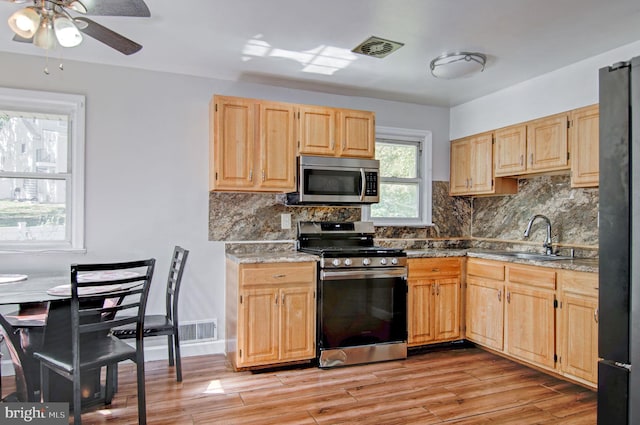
pixel 536 146
pixel 577 337
pixel 317 130
pixel 252 145
pixel 472 168
pixel 336 132
pixel 510 150
pixel 270 313
pixel 584 141
pixel 547 144
pixel 434 300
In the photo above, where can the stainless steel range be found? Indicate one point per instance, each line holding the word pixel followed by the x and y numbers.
pixel 362 294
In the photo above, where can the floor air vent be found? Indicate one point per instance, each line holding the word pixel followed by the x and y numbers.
pixel 199 330
pixel 377 47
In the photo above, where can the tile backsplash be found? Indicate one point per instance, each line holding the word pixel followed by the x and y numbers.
pixel 458 221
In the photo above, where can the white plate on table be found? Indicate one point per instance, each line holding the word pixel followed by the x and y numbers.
pixel 8 278
pixel 94 277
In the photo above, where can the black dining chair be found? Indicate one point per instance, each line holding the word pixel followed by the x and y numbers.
pixel 77 338
pixel 166 324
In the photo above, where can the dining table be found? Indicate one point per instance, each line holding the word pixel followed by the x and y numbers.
pixel 35 300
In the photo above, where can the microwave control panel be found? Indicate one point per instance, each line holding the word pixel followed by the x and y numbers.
pixel 371 187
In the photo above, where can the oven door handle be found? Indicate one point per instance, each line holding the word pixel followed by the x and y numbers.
pixel 392 272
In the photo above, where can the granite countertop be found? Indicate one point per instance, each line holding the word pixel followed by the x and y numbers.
pixel 272 257
pixel 576 264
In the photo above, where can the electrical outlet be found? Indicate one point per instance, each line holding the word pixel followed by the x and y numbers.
pixel 285 221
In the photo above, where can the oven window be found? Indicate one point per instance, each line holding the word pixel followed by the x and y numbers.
pixel 366 311
pixel 332 182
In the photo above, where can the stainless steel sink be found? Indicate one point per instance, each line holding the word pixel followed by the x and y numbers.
pixel 530 255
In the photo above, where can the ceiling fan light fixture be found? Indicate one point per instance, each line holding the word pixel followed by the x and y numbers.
pixel 45 36
pixel 25 22
pixel 457 65
pixel 66 32
pixel 77 6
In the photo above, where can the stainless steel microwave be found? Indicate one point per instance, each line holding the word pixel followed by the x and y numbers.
pixel 336 181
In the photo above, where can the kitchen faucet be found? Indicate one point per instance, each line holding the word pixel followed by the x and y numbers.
pixel 547 243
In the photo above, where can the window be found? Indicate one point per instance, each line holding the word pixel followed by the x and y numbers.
pixel 41 171
pixel 405 178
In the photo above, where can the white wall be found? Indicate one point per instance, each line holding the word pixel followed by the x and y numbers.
pixel 147 167
pixel 567 88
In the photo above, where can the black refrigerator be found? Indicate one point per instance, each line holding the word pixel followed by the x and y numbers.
pixel 619 240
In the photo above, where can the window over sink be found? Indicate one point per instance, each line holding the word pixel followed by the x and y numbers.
pixel 41 171
pixel 405 178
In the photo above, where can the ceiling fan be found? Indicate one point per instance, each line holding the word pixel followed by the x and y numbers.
pixel 50 22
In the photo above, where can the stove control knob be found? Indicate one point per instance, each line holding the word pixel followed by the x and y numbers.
pixel 383 261
pixel 394 261
pixel 347 261
pixel 366 261
pixel 336 262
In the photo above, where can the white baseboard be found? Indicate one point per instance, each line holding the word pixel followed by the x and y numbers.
pixel 153 352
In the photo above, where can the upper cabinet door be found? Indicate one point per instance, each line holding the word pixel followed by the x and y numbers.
pixel 460 167
pixel 356 133
pixel 510 150
pixel 481 177
pixel 277 146
pixel 547 146
pixel 317 130
pixel 584 138
pixel 232 143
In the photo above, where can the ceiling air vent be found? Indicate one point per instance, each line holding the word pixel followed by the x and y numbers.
pixel 377 47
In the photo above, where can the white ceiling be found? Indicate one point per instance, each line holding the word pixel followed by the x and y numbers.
pixel 273 41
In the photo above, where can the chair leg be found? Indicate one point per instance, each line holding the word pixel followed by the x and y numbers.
pixel 142 402
pixel 110 384
pixel 44 383
pixel 176 341
pixel 77 399
pixel 170 348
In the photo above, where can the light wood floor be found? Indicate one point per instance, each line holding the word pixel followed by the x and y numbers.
pixel 462 386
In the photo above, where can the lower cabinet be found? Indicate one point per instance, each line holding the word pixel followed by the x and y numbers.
pixel 538 315
pixel 433 313
pixel 577 338
pixel 271 313
pixel 485 303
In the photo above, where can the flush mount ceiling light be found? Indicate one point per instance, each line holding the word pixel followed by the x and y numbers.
pixel 456 65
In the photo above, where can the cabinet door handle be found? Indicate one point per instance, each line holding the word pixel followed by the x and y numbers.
pixel 278 276
pixel 531 159
pixel 433 289
pixel 509 297
pixel 470 182
pixel 276 299
pixel 595 315
pixel 262 175
pixel 282 299
pixel 437 289
pixel 500 295
pixel 435 270
pixel 250 175
pixel 521 160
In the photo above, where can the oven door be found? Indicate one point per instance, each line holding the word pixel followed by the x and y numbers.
pixel 362 316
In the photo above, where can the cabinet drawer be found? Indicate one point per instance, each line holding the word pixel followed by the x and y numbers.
pixel 534 276
pixel 252 274
pixel 485 268
pixel 578 282
pixel 432 267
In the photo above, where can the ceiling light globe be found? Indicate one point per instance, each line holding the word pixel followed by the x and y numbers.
pixel 66 32
pixel 25 22
pixel 45 37
pixel 457 65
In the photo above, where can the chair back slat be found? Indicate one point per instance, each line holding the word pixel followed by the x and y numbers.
pixel 178 262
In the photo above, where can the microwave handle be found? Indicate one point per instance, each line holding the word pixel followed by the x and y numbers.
pixel 363 186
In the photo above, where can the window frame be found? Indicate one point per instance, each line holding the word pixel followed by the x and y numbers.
pixel 72 105
pixel 425 172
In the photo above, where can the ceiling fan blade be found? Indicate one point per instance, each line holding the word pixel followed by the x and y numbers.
pixel 136 8
pixel 19 39
pixel 107 36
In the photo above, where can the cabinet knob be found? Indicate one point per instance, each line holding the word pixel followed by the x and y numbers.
pixel 509 297
pixel 500 295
